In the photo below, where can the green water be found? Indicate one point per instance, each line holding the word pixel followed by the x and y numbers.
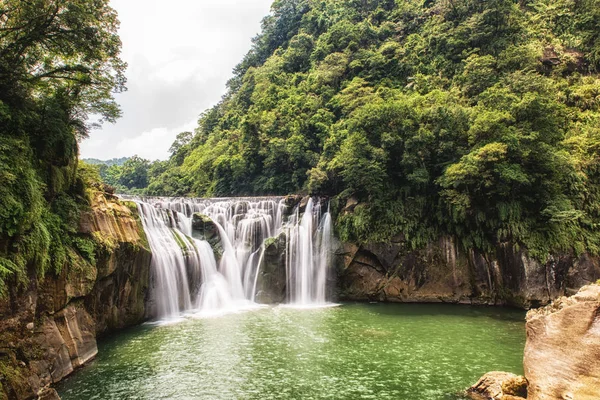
pixel 355 351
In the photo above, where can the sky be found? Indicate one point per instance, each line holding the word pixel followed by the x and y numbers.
pixel 180 54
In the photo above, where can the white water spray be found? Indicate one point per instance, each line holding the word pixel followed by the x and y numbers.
pixel 190 275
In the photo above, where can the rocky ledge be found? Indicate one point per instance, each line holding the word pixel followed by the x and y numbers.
pixel 562 353
pixel 49 328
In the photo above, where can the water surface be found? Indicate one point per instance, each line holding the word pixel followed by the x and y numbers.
pixel 355 351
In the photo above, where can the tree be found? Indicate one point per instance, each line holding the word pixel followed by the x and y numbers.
pixel 62 48
pixel 59 64
pixel 134 173
pixel 181 140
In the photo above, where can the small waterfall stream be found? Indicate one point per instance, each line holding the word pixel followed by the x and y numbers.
pixel 207 254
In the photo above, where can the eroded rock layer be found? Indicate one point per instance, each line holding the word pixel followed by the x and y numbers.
pixel 442 272
pixel 49 328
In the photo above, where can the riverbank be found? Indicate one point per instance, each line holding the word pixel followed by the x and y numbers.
pixel 49 329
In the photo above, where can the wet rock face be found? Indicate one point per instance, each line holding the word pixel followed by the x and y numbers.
pixel 49 328
pixel 119 299
pixel 499 386
pixel 390 272
pixel 562 352
pixel 271 283
pixel 204 228
pixel 442 272
pixel 68 340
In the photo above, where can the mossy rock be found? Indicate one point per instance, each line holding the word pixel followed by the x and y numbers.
pixel 204 228
pixel 272 276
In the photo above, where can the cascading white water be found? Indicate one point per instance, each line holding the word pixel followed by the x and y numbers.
pixel 187 275
pixel 172 292
pixel 308 255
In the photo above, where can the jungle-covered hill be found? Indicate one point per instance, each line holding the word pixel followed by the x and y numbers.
pixel 59 64
pixel 479 119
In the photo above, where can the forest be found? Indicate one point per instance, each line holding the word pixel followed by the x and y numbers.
pixel 59 70
pixel 476 119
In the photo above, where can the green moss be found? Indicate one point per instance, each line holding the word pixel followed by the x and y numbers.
pixel 86 247
pixel 182 245
pixel 131 205
pixel 512 299
pixel 140 226
pixel 13 376
pixel 270 241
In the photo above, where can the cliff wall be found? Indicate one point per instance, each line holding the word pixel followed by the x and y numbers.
pixel 443 272
pixel 49 328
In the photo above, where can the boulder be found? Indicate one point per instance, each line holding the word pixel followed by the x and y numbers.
pixel 303 203
pixel 204 228
pixel 499 386
pixel 292 201
pixel 48 394
pixel 562 352
pixel 351 204
pixel 271 283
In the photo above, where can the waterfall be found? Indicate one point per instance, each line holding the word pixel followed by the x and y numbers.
pixel 214 264
pixel 308 255
pixel 171 293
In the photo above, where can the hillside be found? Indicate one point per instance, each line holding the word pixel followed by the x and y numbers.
pixel 111 162
pixel 474 119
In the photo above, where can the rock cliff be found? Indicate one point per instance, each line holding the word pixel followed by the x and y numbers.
pixel 442 272
pixel 49 327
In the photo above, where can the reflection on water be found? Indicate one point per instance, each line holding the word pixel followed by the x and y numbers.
pixel 357 351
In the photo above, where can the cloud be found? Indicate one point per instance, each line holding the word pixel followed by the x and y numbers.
pixel 153 144
pixel 180 55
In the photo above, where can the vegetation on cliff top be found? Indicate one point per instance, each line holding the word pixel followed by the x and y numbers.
pixel 478 119
pixel 59 64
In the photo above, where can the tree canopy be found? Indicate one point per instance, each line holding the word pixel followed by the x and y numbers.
pixel 59 69
pixel 477 119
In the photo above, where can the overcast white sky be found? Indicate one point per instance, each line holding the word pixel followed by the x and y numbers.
pixel 180 55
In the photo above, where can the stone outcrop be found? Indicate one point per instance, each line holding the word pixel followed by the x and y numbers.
pixel 49 328
pixel 499 386
pixel 562 352
pixel 204 228
pixel 442 272
pixel 271 283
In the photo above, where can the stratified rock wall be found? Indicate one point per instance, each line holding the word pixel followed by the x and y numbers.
pixel 562 352
pixel 442 272
pixel 49 328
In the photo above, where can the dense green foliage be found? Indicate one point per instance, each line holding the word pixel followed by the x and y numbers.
pixel 109 163
pixel 479 119
pixel 59 64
